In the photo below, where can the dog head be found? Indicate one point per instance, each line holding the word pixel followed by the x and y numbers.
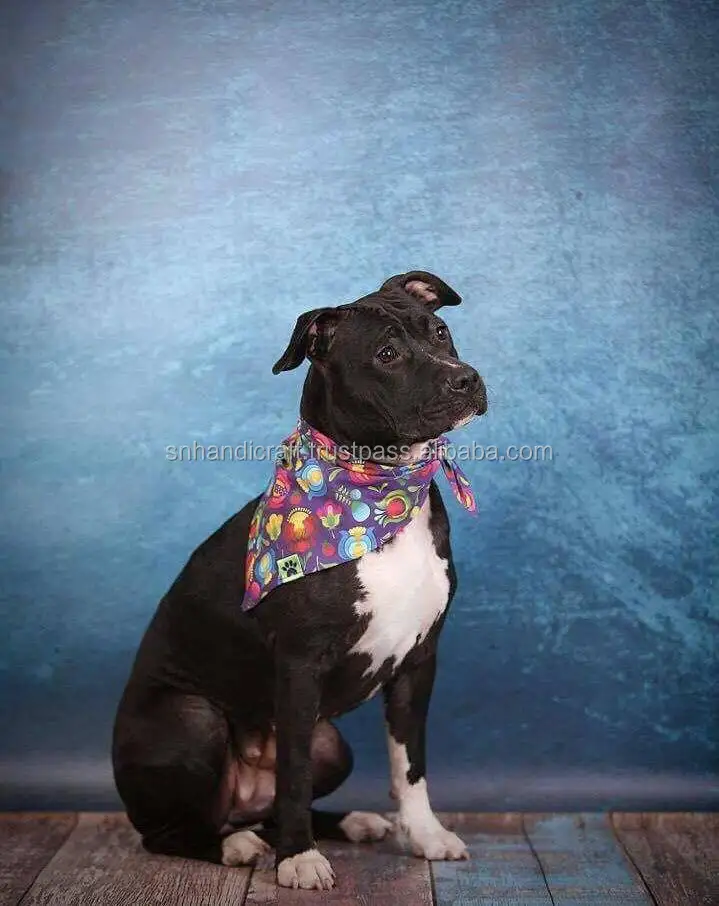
pixel 383 369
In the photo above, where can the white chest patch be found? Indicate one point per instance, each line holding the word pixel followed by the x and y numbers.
pixel 407 587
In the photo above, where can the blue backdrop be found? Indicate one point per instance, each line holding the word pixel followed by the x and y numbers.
pixel 181 179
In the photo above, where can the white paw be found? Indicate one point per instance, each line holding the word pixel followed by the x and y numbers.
pixel 435 842
pixel 242 848
pixel 363 826
pixel 308 870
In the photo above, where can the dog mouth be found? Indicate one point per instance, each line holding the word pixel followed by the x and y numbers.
pixel 477 408
pixel 446 415
pixel 465 420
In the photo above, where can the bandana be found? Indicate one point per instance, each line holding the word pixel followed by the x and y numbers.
pixel 324 507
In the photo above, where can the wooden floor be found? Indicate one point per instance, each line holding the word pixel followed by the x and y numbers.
pixel 517 860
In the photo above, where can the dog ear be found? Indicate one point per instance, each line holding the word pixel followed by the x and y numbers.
pixel 310 338
pixel 425 287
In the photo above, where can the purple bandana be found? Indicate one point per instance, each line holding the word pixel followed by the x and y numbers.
pixel 324 507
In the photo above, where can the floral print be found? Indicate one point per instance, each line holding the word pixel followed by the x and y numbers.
pixel 356 542
pixel 394 507
pixel 280 488
pixel 330 514
pixel 322 508
pixel 264 567
pixel 300 529
pixel 311 479
pixel 274 526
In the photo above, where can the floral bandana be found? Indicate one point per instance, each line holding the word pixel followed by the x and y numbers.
pixel 324 507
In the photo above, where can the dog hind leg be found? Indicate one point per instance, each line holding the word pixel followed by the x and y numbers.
pixel 169 757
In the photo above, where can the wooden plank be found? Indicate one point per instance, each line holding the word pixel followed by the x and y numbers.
pixel 502 869
pixel 27 843
pixel 102 862
pixel 583 863
pixel 676 854
pixel 371 874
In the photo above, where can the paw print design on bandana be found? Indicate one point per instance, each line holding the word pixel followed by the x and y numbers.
pixel 290 568
pixel 322 508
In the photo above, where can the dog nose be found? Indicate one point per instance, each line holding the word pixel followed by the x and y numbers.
pixel 464 380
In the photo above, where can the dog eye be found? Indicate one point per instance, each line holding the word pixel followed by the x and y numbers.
pixel 387 354
pixel 442 332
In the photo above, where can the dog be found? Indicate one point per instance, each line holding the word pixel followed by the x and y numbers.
pixel 223 737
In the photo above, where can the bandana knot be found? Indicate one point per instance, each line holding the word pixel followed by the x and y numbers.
pixel 325 506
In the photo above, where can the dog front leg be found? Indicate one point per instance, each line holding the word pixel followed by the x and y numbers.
pixel 407 698
pixel 299 863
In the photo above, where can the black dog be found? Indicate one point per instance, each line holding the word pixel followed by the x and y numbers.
pixel 225 720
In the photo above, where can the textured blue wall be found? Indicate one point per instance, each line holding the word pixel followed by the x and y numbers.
pixel 181 179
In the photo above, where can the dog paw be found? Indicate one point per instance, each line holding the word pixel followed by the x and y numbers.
pixel 243 848
pixel 361 827
pixel 309 870
pixel 436 843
